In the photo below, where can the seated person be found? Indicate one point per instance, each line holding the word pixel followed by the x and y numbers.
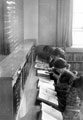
pixel 46 52
pixel 67 77
pixel 43 52
pixel 60 65
pixel 63 87
pixel 62 69
pixel 48 49
pixel 57 53
pixel 78 84
pixel 62 92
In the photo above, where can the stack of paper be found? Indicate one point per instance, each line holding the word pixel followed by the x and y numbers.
pixel 51 111
pixel 47 97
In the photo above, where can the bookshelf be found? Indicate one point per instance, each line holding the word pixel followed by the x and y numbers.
pixel 76 61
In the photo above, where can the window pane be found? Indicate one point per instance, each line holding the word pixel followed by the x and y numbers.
pixel 78 20
pixel 77 30
pixel 77 37
pixel 77 5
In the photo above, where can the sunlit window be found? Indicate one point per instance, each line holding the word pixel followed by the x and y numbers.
pixel 77 31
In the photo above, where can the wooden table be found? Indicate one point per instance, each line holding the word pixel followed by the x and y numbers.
pixel 31 91
pixel 12 68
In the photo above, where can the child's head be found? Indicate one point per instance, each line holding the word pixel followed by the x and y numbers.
pixel 67 77
pixel 48 49
pixel 59 52
pixel 60 65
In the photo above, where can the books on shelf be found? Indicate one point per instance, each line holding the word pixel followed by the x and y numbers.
pixel 69 56
pixel 47 97
pixel 74 56
pixel 51 111
pixel 78 56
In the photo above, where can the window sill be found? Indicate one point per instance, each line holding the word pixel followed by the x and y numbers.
pixel 74 49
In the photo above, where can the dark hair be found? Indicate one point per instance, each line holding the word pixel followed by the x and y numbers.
pixel 60 63
pixel 40 54
pixel 59 52
pixel 48 49
pixel 67 77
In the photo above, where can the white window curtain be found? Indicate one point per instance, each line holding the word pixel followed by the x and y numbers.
pixel 64 23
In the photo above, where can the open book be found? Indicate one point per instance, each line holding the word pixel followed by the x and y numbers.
pixel 43 73
pixel 51 111
pixel 41 66
pixel 46 116
pixel 47 97
pixel 48 91
pixel 46 85
pixel 46 80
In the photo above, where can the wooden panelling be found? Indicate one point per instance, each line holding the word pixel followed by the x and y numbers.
pixel 6 99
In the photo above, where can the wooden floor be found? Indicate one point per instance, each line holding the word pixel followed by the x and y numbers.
pixel 30 92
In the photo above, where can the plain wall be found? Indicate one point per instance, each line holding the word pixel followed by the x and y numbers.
pixel 40 21
pixel 47 22
pixel 31 19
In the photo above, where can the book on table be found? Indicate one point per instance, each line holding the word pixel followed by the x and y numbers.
pixel 46 80
pixel 41 66
pixel 45 72
pixel 47 97
pixel 46 116
pixel 51 111
pixel 48 91
pixel 46 85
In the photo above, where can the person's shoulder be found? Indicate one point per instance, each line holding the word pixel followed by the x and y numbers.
pixel 68 73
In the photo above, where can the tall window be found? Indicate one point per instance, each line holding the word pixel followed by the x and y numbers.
pixel 77 31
